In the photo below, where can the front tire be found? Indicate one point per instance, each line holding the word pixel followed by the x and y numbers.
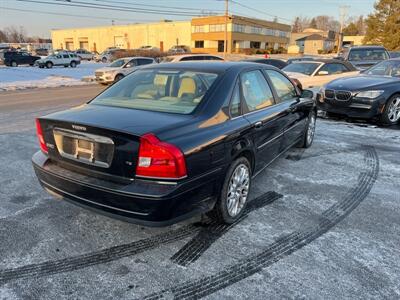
pixel 391 113
pixel 104 60
pixel 14 64
pixel 233 198
pixel 73 64
pixel 118 77
pixel 49 65
pixel 309 132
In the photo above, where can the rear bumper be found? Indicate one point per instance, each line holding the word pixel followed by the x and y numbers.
pixel 142 202
pixel 363 110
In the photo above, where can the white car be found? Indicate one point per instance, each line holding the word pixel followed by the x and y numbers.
pixel 84 54
pixel 191 57
pixel 317 73
pixel 107 55
pixel 149 48
pixel 66 59
pixel 120 68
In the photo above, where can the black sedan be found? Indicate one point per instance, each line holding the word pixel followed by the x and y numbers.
pixel 280 64
pixel 375 94
pixel 171 141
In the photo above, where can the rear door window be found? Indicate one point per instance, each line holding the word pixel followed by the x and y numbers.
pixel 144 61
pixel 256 92
pixel 235 108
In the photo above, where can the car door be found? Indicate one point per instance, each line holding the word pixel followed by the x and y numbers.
pixel 129 67
pixel 291 108
pixel 259 109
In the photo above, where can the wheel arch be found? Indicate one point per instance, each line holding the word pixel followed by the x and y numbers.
pixel 244 148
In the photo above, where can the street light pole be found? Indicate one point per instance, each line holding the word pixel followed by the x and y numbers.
pixel 226 29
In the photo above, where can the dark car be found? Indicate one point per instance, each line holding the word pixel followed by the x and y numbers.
pixel 171 141
pixel 280 64
pixel 16 58
pixel 373 94
pixel 363 57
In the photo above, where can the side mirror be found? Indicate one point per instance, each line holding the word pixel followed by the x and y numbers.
pixel 323 73
pixel 307 94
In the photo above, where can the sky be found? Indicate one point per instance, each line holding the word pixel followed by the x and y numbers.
pixel 38 18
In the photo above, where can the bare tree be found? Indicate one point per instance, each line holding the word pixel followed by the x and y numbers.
pixel 15 35
pixel 3 37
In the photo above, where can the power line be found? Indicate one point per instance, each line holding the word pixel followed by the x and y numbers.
pixel 115 8
pixel 257 10
pixel 157 6
pixel 68 15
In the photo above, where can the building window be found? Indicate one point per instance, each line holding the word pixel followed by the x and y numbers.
pixel 217 27
pixel 198 28
pixel 255 45
pixel 199 44
pixel 239 28
pixel 256 30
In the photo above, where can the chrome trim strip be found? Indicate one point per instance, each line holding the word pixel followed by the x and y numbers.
pixel 269 141
pixel 293 126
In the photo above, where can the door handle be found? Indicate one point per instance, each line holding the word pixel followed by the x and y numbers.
pixel 258 125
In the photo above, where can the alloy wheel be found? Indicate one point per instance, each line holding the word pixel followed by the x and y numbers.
pixel 311 128
pixel 394 110
pixel 238 190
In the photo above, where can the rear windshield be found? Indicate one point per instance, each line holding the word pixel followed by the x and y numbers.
pixel 367 54
pixel 303 68
pixel 172 91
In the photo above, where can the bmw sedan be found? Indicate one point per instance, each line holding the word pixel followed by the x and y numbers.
pixel 171 141
pixel 375 94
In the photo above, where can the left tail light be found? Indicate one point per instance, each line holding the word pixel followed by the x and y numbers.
pixel 159 159
pixel 39 133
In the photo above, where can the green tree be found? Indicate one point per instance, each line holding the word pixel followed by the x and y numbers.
pixel 351 29
pixel 383 26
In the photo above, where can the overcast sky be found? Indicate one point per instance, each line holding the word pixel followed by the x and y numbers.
pixel 36 23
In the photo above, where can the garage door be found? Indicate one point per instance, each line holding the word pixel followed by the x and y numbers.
pixel 119 41
pixel 69 45
pixel 84 45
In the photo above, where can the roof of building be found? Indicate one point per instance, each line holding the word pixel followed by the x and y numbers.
pixel 313 37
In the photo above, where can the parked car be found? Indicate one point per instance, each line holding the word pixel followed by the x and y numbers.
pixel 84 54
pixel 375 94
pixel 190 57
pixel 120 68
pixel 363 57
pixel 316 73
pixel 65 59
pixel 149 48
pixel 16 58
pixel 107 55
pixel 179 49
pixel 280 64
pixel 41 52
pixel 301 58
pixel 394 54
pixel 171 141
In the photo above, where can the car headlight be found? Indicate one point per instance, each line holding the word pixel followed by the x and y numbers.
pixel 369 94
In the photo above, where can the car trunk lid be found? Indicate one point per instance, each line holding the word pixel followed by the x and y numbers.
pixel 102 139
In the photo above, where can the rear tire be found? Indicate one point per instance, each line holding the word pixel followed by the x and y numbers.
pixel 391 113
pixel 234 195
pixel 104 60
pixel 309 132
pixel 49 65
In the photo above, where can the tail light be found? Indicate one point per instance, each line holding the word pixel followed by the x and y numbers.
pixel 39 134
pixel 159 159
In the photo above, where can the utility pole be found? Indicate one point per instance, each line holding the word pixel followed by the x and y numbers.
pixel 226 28
pixel 343 10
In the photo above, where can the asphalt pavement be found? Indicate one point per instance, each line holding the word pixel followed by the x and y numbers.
pixel 323 223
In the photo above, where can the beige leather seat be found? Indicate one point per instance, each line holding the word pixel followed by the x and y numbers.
pixel 187 86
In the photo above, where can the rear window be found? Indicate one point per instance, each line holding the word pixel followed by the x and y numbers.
pixel 303 68
pixel 367 54
pixel 172 91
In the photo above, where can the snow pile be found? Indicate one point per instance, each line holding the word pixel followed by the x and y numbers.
pixel 25 77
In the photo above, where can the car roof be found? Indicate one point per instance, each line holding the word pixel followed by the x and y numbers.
pixel 262 59
pixel 193 54
pixel 328 61
pixel 205 66
pixel 367 47
pixel 133 57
